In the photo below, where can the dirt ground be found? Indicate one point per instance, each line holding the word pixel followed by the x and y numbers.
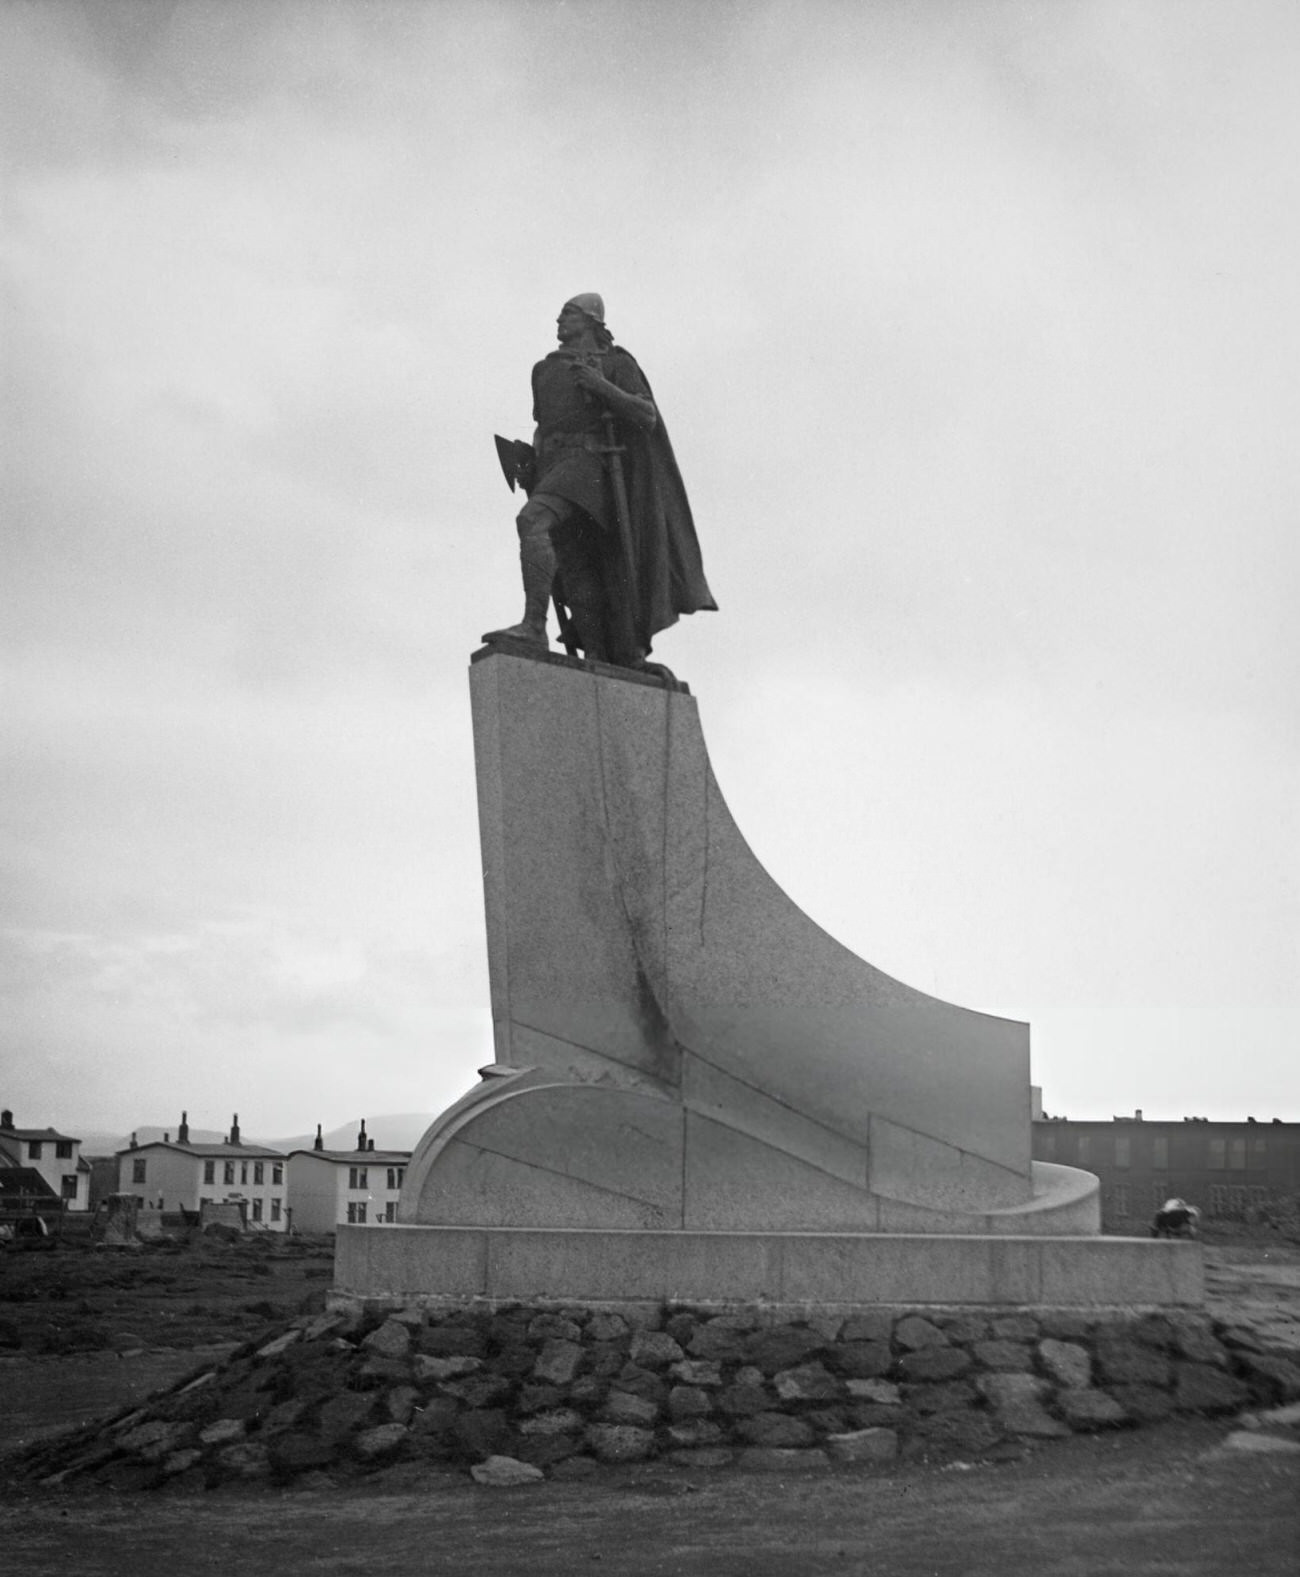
pixel 1173 1499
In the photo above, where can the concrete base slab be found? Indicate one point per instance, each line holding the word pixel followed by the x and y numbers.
pixel 769 1269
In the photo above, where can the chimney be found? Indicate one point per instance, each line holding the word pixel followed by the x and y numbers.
pixel 370 1144
pixel 361 1136
pixel 320 1143
pixel 1137 1114
pixel 167 1138
pixel 6 1120
pixel 234 1130
pixel 131 1146
pixel 183 1132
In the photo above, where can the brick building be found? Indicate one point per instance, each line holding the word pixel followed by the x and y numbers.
pixel 1226 1169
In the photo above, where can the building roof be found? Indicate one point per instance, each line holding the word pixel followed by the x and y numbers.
pixel 39 1134
pixel 358 1157
pixel 223 1151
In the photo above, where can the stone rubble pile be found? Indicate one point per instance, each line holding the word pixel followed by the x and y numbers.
pixel 514 1391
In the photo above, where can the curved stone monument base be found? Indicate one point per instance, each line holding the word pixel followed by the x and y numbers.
pixel 698 1094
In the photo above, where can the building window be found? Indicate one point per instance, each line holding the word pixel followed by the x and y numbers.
pixel 358 1177
pixel 257 1210
pixel 243 1171
pixel 1083 1154
pixel 258 1170
pixel 209 1171
pixel 63 1150
pixel 1123 1152
pixel 396 1176
pixel 69 1185
pixel 275 1210
pixel 1218 1155
pixel 277 1171
pixel 390 1210
pixel 138 1170
pixel 357 1212
pixel 1160 1152
pixel 228 1172
pixel 1236 1155
pixel 1257 1154
pixel 33 1149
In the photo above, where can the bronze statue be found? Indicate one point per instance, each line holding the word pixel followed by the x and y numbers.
pixel 607 529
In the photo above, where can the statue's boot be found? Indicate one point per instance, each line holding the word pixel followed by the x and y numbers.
pixel 537 561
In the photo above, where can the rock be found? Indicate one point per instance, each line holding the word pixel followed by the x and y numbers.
pixel 642 1382
pixel 606 1327
pixel 452 1341
pixel 782 1347
pixel 478 1390
pixel 964 1329
pixel 535 1398
pixel 693 1432
pixel 436 1416
pixel 1145 1404
pixel 688 1401
pixel 1016 1401
pixel 624 1407
pixel 934 1363
pixel 575 1468
pixel 480 1433
pixel 863 1445
pixel 964 1433
pixel 1154 1330
pixel 1270 1376
pixel 808 1383
pixel 505 1473
pixel 391 1340
pixel 381 1441
pixel 1068 1364
pixel 775 1429
pixel 883 1391
pixel 739 1401
pixel 619 1442
pixel 561 1421
pixel 154 1440
pixel 946 1397
pixel 697 1371
pixel 424 1367
pixel 553 1327
pixel 558 1362
pixel 1197 1342
pixel 914 1332
pixel 867 1328
pixel 223 1431
pixel 292 1454
pixel 711 1342
pixel 860 1360
pixel 181 1461
pixel 344 1413
pixel 1130 1363
pixel 1202 1388
pixel 284 1416
pixel 1061 1325
pixel 1090 1409
pixel 273 1349
pixel 1012 1357
pixel 1015 1328
pixel 655 1350
pixel 400 1403
pixel 247 1459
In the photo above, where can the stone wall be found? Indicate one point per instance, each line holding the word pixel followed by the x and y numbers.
pixel 565 1389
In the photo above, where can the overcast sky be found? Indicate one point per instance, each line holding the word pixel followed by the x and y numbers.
pixel 977 332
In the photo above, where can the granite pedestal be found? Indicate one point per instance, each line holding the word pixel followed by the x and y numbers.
pixel 697 1092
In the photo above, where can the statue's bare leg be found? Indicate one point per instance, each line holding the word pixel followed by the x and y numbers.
pixel 535 522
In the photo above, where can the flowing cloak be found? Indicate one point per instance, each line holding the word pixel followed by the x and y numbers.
pixel 668 569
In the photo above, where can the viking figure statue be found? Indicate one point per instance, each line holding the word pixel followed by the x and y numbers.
pixel 607 529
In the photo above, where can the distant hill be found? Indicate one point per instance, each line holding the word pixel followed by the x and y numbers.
pixel 393 1131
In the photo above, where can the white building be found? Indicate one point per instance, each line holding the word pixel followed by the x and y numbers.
pixel 177 1175
pixel 330 1187
pixel 56 1156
